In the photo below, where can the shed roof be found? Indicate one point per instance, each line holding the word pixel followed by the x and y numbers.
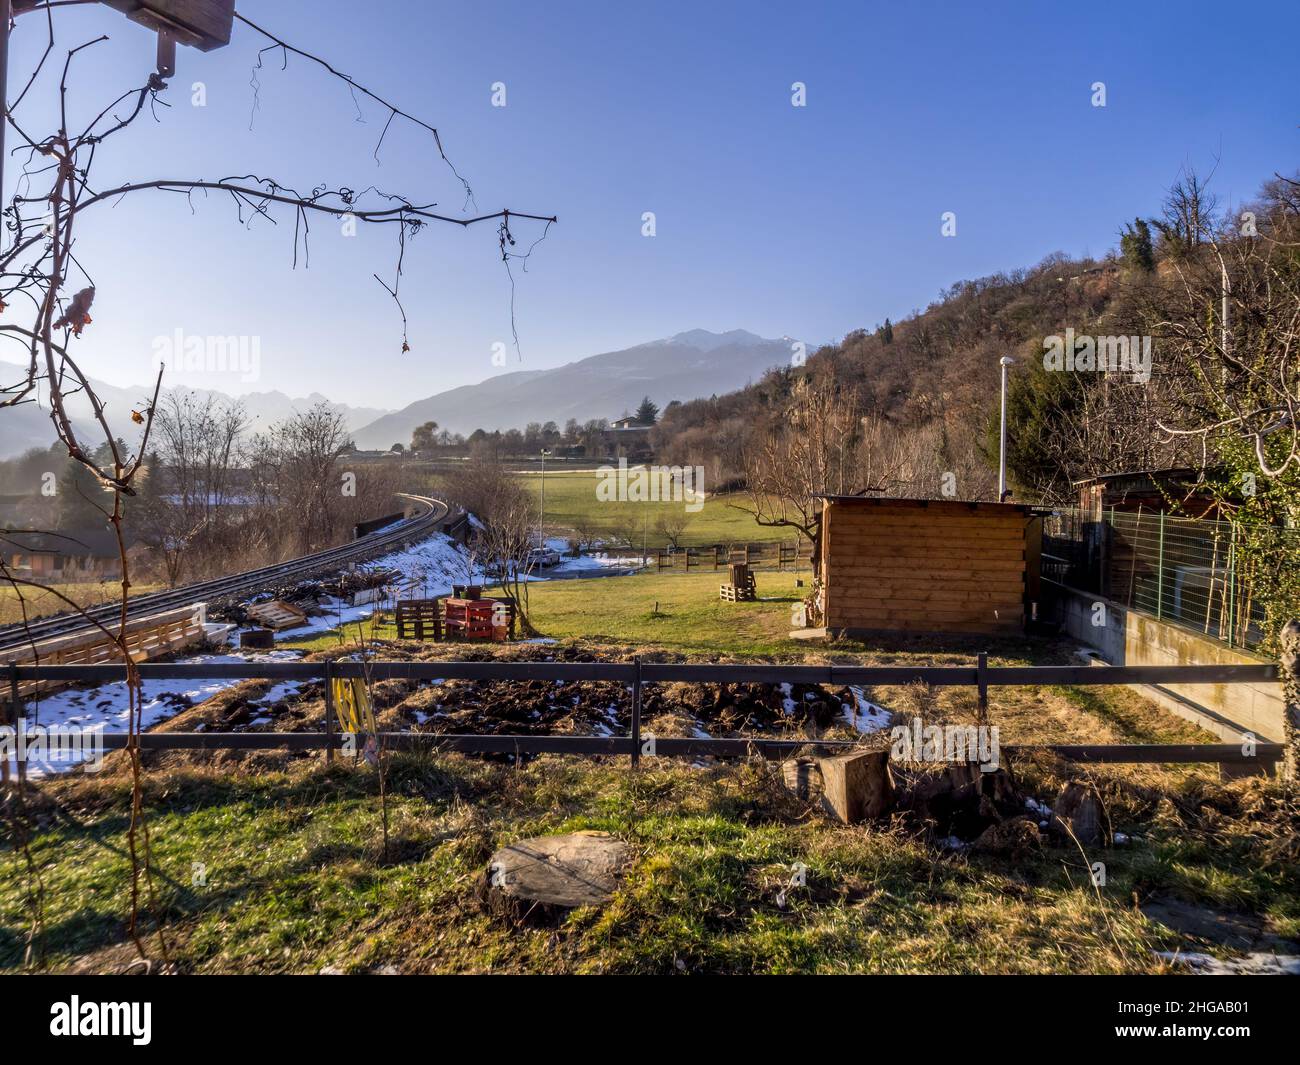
pixel 972 504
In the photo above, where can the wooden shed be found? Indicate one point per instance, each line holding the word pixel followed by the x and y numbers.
pixel 923 565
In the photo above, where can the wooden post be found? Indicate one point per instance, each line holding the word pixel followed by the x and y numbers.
pixel 636 714
pixel 982 686
pixel 16 712
pixel 10 717
pixel 329 713
pixel 1289 660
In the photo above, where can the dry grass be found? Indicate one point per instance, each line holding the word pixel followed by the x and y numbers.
pixel 42 603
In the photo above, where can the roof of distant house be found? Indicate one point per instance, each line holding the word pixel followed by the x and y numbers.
pixel 76 543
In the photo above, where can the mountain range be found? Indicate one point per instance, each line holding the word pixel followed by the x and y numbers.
pixel 28 425
pixel 689 365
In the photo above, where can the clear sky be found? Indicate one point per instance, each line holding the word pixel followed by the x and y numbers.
pixel 803 221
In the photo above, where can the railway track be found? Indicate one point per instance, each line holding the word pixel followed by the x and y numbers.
pixel 381 542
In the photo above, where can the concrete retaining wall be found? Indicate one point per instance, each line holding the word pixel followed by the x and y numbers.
pixel 1129 638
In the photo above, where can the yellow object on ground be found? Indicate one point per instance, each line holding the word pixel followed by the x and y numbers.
pixel 353 707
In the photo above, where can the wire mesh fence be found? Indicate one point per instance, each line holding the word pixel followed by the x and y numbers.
pixel 1212 576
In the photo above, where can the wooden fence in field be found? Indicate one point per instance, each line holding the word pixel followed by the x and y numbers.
pixel 634 676
pixel 777 555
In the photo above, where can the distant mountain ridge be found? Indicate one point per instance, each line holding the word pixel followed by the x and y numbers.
pixel 28 425
pixel 690 365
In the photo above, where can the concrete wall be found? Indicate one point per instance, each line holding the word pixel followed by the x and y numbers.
pixel 1130 638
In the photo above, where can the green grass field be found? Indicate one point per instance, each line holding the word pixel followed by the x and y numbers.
pixel 571 503
pixel 673 610
pixel 295 878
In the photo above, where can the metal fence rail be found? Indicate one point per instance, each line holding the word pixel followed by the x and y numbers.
pixel 635 675
pixel 1198 573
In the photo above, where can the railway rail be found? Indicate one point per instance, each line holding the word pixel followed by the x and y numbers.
pixel 432 513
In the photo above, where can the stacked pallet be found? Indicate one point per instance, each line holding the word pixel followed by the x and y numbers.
pixel 469 619
pixel 741 588
pixel 419 619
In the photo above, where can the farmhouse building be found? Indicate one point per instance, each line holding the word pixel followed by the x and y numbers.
pixel 75 555
pixel 917 565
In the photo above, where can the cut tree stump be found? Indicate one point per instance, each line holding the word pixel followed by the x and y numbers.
pixel 1078 808
pixel 1016 838
pixel 852 787
pixel 539 880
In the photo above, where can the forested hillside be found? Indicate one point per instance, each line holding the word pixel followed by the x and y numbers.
pixel 911 401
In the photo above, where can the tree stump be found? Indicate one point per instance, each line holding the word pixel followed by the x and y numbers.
pixel 1078 809
pixel 1016 838
pixel 540 880
pixel 852 787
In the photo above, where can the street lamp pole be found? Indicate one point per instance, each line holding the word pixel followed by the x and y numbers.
pixel 542 522
pixel 1005 362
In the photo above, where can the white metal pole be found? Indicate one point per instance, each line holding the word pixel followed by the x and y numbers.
pixel 542 524
pixel 1005 362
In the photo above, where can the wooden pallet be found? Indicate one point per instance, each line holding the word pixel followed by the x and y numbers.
pixel 419 619
pixel 510 617
pixel 277 614
pixel 739 593
pixel 472 619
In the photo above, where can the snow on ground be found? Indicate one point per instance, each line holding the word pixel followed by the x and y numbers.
pixel 1260 963
pixel 787 704
pixel 595 564
pixel 433 564
pixel 866 716
pixel 105 707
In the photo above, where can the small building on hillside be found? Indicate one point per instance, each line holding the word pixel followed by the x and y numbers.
pixel 924 565
pixel 628 438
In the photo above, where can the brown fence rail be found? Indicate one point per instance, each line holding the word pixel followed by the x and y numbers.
pixel 635 675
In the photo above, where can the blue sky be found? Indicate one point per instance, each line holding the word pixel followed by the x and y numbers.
pixel 806 222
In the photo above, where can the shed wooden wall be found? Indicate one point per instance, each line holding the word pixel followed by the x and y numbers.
pixel 934 567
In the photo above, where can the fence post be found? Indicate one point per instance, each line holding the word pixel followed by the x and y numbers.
pixel 329 713
pixel 1289 660
pixel 15 709
pixel 982 687
pixel 636 713
pixel 1232 586
pixel 10 716
pixel 1160 570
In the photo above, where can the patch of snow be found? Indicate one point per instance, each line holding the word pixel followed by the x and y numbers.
pixel 1262 963
pixel 597 563
pixel 105 706
pixel 866 716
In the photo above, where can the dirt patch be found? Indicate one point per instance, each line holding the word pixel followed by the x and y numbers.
pixel 1239 931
